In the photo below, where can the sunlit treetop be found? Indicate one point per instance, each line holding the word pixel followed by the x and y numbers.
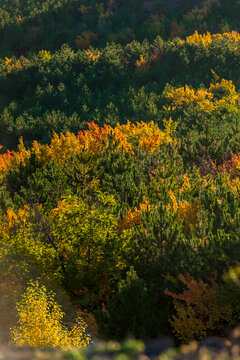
pixel 147 136
pixel 220 95
pixel 208 38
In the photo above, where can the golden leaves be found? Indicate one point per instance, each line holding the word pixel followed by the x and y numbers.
pixel 15 64
pixel 40 322
pixel 220 95
pixel 45 55
pixel 142 63
pixel 134 217
pixel 207 39
pixel 189 212
pixel 92 56
pixel 146 136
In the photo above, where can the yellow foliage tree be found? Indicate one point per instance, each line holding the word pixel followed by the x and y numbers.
pixel 220 96
pixel 40 322
pixel 206 39
pixel 92 56
pixel 45 55
pixel 142 63
pixel 15 64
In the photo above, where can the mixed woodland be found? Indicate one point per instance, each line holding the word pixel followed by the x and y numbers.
pixel 119 170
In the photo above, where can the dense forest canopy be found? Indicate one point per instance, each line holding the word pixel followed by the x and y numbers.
pixel 119 169
pixel 29 25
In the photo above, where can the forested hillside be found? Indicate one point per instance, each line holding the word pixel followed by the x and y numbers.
pixel 119 170
pixel 29 25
